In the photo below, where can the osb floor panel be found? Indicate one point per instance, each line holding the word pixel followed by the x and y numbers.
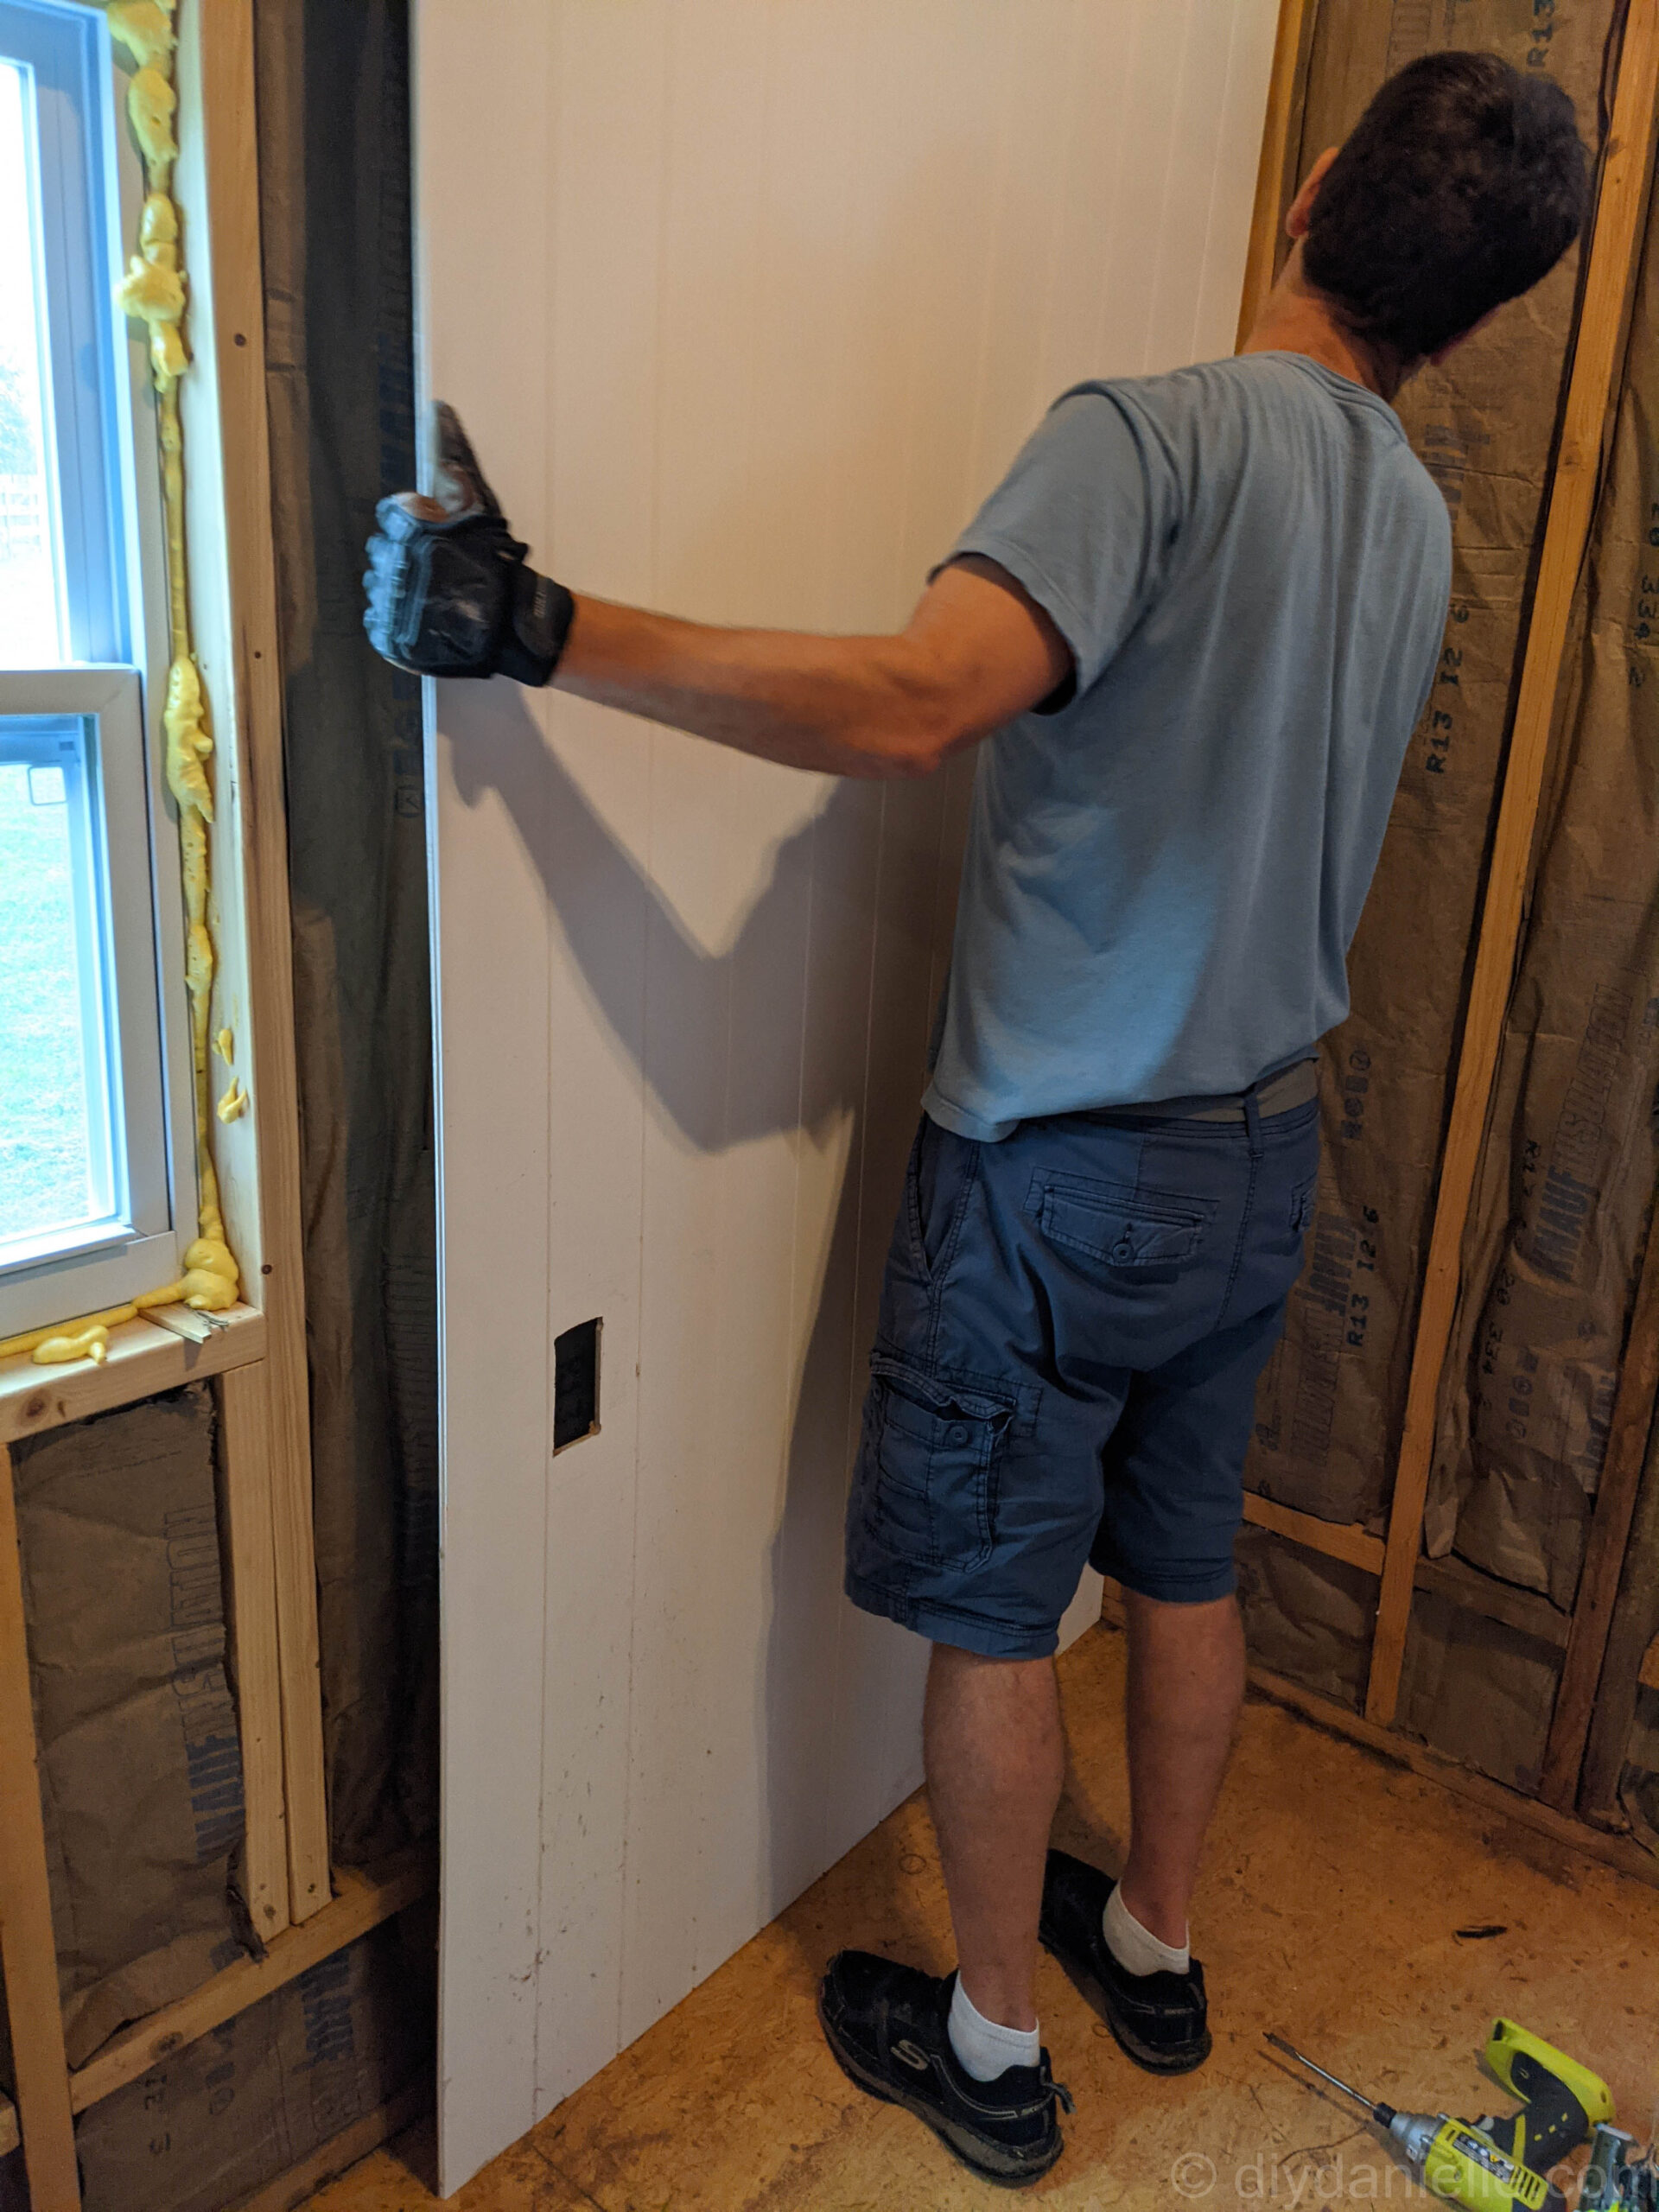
pixel 1329 1908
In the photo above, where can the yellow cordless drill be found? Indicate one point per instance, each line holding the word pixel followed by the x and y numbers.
pixel 1496 2165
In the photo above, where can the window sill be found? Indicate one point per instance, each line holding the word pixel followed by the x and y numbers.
pixel 143 1358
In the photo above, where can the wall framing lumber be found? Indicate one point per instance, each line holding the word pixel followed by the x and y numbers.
pixel 365 1900
pixel 143 1360
pixel 257 1352
pixel 1342 1539
pixel 1523 1609
pixel 1527 1611
pixel 251 1634
pixel 1610 1534
pixel 223 38
pixel 1291 48
pixel 1619 1853
pixel 28 1951
pixel 1598 355
pixel 1625 1672
pixel 1630 1665
pixel 291 2189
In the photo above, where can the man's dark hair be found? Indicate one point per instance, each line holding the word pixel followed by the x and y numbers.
pixel 1462 184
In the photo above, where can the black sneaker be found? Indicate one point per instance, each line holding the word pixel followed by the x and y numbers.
pixel 1158 2018
pixel 886 2023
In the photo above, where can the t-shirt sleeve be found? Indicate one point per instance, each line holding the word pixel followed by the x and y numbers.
pixel 1083 521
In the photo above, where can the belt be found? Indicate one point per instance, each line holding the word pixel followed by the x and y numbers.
pixel 1293 1086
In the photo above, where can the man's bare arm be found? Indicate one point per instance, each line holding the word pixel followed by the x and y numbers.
pixel 976 651
pixel 450 593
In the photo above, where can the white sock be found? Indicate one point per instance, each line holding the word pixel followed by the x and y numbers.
pixel 984 2047
pixel 1136 1949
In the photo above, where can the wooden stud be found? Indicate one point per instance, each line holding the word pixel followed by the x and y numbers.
pixel 299 2183
pixel 1527 1611
pixel 28 1954
pixel 143 1359
pixel 364 1901
pixel 227 121
pixel 1617 1851
pixel 251 1621
pixel 1523 1609
pixel 1630 1665
pixel 1342 1539
pixel 1290 52
pixel 1610 1533
pixel 1597 356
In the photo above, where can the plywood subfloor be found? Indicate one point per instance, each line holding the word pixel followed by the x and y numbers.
pixel 1331 1907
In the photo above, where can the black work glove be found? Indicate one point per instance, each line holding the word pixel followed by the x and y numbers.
pixel 448 590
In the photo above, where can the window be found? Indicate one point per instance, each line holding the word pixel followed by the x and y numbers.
pixel 96 1195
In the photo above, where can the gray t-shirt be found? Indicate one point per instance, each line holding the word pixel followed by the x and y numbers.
pixel 1163 877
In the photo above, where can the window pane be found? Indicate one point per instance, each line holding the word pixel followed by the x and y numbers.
pixel 31 624
pixel 55 1122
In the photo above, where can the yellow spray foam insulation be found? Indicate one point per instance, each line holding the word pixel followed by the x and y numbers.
pixel 153 290
pixel 225 1045
pixel 35 1341
pixel 143 28
pixel 91 1343
pixel 187 741
pixel 234 1103
pixel 151 102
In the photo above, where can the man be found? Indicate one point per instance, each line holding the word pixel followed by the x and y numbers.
pixel 1196 624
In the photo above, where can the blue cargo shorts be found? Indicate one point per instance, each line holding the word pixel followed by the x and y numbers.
pixel 1071 1328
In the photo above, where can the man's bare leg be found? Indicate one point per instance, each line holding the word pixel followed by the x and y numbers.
pixel 995 1759
pixel 1186 1683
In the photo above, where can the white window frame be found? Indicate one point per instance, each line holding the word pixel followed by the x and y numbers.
pixel 85 417
pixel 105 1259
pixel 108 502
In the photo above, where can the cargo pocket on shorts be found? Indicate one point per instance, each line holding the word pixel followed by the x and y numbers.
pixel 1145 1234
pixel 938 1447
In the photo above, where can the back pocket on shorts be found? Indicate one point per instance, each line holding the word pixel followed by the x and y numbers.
pixel 1145 1234
pixel 938 1447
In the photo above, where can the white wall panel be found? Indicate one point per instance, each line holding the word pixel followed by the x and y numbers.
pixel 746 303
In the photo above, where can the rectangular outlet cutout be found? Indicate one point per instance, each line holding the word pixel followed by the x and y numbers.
pixel 575 1384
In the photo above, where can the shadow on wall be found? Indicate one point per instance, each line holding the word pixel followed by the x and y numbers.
pixel 741 1088
pixel 590 878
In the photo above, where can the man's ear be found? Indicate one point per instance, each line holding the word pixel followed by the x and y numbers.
pixel 1453 344
pixel 1302 207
